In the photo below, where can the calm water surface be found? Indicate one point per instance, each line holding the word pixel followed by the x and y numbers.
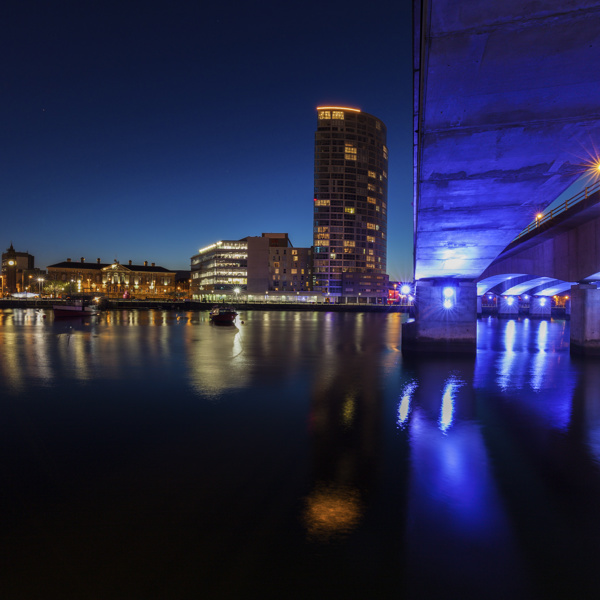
pixel 151 454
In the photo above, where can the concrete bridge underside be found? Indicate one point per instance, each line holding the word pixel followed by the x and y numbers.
pixel 506 118
pixel 566 248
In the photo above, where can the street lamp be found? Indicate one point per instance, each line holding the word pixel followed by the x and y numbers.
pixel 40 279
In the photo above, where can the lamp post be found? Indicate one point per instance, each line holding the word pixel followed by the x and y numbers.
pixel 40 279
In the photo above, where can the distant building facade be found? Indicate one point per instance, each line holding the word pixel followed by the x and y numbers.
pixel 254 267
pixel 350 206
pixel 18 271
pixel 113 279
pixel 221 267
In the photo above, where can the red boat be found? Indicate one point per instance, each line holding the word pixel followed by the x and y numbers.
pixel 75 307
pixel 223 314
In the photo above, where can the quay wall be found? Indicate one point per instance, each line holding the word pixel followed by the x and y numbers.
pixel 199 306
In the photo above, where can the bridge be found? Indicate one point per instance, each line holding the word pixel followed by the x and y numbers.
pixel 556 251
pixel 505 120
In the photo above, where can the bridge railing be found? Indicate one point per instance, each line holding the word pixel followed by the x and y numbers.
pixel 557 210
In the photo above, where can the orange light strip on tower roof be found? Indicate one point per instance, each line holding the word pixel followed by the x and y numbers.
pixel 338 108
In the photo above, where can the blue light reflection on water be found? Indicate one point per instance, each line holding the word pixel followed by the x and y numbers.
pixel 300 449
pixel 404 405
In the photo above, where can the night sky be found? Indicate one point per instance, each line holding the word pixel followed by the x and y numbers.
pixel 147 130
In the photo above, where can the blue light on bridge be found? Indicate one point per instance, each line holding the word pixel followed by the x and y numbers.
pixel 448 297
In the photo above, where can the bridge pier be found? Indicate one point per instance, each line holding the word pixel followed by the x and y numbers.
pixel 540 307
pixel 508 307
pixel 585 320
pixel 445 318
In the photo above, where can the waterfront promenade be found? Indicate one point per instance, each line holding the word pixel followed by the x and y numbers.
pixel 167 304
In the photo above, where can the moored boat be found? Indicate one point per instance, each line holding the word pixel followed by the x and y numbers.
pixel 223 314
pixel 75 307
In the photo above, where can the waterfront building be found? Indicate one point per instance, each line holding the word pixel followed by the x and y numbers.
pixel 350 206
pixel 257 268
pixel 275 266
pixel 18 270
pixel 111 279
pixel 219 269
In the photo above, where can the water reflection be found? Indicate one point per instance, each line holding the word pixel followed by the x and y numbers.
pixel 450 387
pixel 404 405
pixel 346 407
pixel 531 365
pixel 298 449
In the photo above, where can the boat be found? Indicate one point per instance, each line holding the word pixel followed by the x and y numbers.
pixel 75 307
pixel 223 314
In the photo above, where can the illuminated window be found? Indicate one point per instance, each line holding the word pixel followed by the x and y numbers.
pixel 370 226
pixel 332 255
pixel 321 202
pixel 294 271
pixel 385 174
pixel 349 243
pixel 349 209
pixel 322 229
pixel 370 259
pixel 371 187
pixel 385 152
pixel 371 200
pixel 324 114
pixel 350 152
pixel 372 174
pixel 370 252
pixel 337 114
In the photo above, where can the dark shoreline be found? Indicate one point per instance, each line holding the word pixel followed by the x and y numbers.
pixel 199 306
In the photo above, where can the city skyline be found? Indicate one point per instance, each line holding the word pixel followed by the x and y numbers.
pixel 142 133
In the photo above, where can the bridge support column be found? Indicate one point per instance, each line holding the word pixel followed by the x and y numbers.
pixel 445 318
pixel 540 307
pixel 585 320
pixel 508 308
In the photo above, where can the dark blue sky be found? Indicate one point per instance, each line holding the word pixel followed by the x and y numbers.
pixel 146 130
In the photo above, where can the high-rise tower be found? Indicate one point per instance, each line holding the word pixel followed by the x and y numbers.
pixel 350 204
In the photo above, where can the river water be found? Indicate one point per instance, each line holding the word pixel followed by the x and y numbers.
pixel 150 454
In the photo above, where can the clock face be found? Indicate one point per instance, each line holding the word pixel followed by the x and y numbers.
pixel 11 262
